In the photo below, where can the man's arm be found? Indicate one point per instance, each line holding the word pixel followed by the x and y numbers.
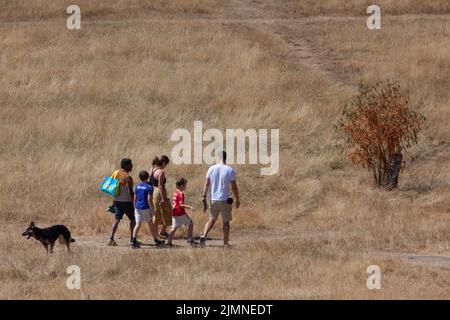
pixel 235 190
pixel 206 186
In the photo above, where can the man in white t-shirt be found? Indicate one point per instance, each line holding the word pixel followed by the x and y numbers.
pixel 219 177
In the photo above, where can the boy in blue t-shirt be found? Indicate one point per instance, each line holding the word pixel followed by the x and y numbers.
pixel 144 209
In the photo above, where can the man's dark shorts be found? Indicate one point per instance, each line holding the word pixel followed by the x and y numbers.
pixel 121 208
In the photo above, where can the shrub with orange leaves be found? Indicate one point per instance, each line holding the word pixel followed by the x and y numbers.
pixel 379 125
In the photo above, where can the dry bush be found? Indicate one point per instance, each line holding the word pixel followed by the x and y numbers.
pixel 379 126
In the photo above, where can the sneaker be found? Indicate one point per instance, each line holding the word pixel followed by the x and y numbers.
pixel 192 243
pixel 134 244
pixel 137 242
pixel 202 241
pixel 159 243
pixel 112 243
pixel 164 235
pixel 170 245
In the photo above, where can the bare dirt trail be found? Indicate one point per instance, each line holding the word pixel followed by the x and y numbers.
pixel 438 260
pixel 295 49
pixel 240 240
pixel 243 240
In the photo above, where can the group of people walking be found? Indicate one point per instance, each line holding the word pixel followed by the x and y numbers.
pixel 148 202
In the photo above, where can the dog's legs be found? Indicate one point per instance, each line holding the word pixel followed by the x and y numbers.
pixel 67 240
pixel 68 245
pixel 46 247
pixel 51 247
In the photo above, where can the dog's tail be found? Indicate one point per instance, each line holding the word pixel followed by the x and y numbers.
pixel 72 240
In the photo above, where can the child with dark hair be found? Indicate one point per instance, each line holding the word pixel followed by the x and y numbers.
pixel 179 215
pixel 144 209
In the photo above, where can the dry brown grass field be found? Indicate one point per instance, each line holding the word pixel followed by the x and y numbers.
pixel 73 103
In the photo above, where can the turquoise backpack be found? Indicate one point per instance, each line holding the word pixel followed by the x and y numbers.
pixel 110 185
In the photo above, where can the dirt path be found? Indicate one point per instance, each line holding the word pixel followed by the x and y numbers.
pixel 438 260
pixel 295 49
pixel 244 240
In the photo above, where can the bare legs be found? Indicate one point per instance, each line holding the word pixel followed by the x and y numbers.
pixel 116 224
pixel 114 228
pixel 136 229
pixel 151 226
pixel 153 230
pixel 173 230
pixel 163 228
pixel 132 226
pixel 226 233
pixel 209 225
pixel 226 230
pixel 171 235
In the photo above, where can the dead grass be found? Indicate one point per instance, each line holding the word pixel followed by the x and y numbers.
pixel 310 269
pixel 356 7
pixel 74 103
pixel 37 10
pixel 43 9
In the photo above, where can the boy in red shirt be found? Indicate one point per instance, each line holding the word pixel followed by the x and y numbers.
pixel 179 215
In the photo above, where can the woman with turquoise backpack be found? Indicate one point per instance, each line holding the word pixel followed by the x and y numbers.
pixel 123 199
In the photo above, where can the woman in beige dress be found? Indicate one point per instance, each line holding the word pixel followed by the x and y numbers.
pixel 161 202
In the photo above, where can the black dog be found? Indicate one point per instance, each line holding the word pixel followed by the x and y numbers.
pixel 48 236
